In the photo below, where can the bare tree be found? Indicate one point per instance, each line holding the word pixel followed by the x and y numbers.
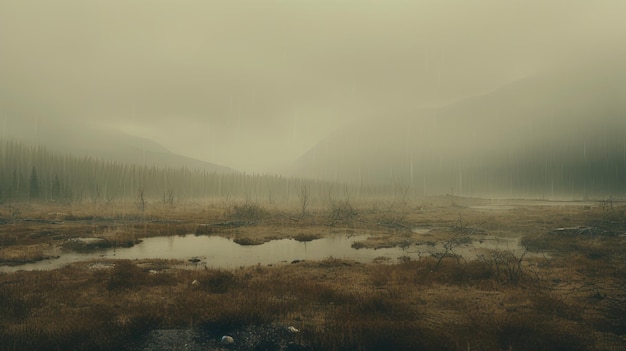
pixel 401 194
pixel 168 197
pixel 141 202
pixel 304 196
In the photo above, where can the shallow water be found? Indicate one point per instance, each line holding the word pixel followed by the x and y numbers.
pixel 493 208
pixel 219 252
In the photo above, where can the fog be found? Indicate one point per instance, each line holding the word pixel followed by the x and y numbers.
pixel 254 85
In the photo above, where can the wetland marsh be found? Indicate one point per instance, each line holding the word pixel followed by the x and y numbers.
pixel 433 275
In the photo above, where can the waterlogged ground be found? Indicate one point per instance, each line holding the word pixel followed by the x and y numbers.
pixel 441 273
pixel 376 233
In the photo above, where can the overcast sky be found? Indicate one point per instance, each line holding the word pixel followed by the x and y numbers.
pixel 254 84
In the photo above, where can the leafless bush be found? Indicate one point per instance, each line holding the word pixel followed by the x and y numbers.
pixel 342 210
pixel 504 265
pixel 248 211
pixel 612 218
pixel 462 235
pixel 606 205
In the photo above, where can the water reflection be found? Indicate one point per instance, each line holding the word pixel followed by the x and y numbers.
pixel 219 252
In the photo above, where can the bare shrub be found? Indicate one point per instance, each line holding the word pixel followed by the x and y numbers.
pixel 342 210
pixel 248 211
pixel 504 265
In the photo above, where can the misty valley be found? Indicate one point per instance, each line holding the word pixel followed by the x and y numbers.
pixel 488 224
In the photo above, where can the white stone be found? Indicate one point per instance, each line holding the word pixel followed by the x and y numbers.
pixel 227 339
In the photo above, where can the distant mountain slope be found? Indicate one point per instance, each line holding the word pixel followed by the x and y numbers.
pixel 83 140
pixel 561 133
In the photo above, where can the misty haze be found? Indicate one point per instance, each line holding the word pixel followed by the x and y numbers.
pixel 312 175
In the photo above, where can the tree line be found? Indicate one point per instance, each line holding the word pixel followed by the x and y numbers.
pixel 32 173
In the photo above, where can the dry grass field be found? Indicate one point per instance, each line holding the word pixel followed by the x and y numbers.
pixel 565 291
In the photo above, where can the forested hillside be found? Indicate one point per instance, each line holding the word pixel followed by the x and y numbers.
pixel 30 173
pixel 554 135
pixel 81 139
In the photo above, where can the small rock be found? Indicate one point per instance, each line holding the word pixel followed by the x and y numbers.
pixel 195 282
pixel 293 329
pixel 227 339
